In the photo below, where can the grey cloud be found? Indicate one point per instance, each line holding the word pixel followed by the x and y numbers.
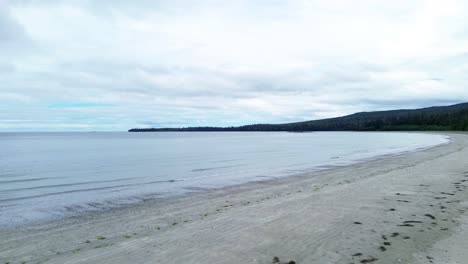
pixel 14 40
pixel 10 31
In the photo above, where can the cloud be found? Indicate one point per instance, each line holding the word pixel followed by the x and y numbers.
pixel 77 105
pixel 113 65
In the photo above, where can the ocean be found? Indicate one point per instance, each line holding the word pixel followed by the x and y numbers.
pixel 46 176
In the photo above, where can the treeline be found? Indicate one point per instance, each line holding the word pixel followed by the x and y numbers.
pixel 442 118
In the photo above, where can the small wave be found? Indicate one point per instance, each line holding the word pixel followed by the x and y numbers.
pixel 215 168
pixel 11 175
pixel 196 188
pixel 30 180
pixel 84 190
pixel 59 193
pixel 63 185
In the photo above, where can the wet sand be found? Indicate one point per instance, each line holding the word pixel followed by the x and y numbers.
pixel 410 208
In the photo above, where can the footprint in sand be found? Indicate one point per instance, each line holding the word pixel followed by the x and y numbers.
pixel 412 222
pixel 369 260
pixel 430 216
pixel 403 201
pixel 447 193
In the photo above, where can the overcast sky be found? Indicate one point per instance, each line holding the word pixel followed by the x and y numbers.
pixel 113 65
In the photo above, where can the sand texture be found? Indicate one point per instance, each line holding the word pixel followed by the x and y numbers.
pixel 409 208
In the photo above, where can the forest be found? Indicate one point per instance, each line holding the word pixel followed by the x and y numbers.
pixel 438 118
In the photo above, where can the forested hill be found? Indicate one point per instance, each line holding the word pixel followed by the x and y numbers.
pixel 454 117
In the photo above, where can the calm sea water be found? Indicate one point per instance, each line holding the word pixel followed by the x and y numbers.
pixel 52 175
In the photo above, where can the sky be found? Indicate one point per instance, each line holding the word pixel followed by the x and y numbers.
pixel 87 65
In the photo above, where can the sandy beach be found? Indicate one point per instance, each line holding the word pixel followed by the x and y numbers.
pixel 408 208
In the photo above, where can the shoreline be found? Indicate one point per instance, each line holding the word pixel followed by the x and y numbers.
pixel 309 218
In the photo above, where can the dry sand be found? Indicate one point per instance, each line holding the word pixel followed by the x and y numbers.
pixel 408 208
